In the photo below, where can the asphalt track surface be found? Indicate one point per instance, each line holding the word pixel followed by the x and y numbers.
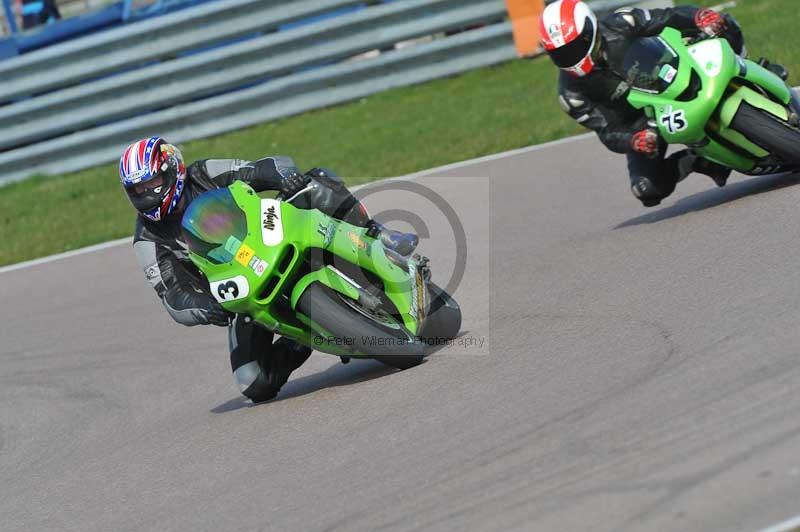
pixel 640 372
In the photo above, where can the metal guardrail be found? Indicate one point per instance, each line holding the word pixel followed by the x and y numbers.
pixel 150 40
pixel 248 62
pixel 85 121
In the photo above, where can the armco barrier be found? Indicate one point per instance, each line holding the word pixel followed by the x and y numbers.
pixel 244 63
pixel 150 40
pixel 87 118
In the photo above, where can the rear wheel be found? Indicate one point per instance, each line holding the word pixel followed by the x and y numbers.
pixel 769 132
pixel 373 333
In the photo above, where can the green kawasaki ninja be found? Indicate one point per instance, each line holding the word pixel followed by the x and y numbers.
pixel 727 109
pixel 316 280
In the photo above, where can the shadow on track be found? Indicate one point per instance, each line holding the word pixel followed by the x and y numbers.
pixel 716 197
pixel 336 375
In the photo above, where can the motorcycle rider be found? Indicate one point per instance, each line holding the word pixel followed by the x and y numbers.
pixel 593 85
pixel 160 187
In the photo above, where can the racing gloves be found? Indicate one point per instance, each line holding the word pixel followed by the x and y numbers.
pixel 190 307
pixel 645 142
pixel 293 183
pixel 710 22
pixel 216 315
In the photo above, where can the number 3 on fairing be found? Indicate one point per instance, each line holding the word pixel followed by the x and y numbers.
pixel 230 289
pixel 674 121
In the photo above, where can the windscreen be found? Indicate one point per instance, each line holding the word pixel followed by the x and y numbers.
pixel 214 226
pixel 651 65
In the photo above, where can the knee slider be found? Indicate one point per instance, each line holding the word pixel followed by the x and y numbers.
pixel 646 192
pixel 254 383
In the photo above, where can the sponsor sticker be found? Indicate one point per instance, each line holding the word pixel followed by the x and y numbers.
pixel 357 240
pixel 232 245
pixel 138 175
pixel 244 255
pixel 258 265
pixel 668 73
pixel 328 232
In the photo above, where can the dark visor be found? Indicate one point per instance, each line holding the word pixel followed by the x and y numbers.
pixel 573 53
pixel 149 194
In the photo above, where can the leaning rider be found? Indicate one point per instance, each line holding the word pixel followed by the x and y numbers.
pixel 593 88
pixel 160 187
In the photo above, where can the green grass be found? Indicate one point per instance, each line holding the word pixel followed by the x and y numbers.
pixel 393 133
pixel 389 134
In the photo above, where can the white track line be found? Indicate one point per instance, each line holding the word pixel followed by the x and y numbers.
pixel 786 526
pixel 453 166
pixel 496 156
pixel 65 255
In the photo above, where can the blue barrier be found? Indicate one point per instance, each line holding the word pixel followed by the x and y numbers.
pixel 116 14
pixel 65 29
pixel 69 28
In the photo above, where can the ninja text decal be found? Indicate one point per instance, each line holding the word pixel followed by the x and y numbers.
pixel 271 224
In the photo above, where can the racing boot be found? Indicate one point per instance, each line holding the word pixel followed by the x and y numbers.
pixel 775 68
pixel 717 172
pixel 401 243
pixel 298 354
pixel 284 357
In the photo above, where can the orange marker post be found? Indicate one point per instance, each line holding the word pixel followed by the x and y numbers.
pixel 525 21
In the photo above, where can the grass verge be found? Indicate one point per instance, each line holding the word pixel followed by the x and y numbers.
pixel 400 131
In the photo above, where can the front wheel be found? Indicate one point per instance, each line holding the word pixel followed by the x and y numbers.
pixel 376 335
pixel 444 317
pixel 768 132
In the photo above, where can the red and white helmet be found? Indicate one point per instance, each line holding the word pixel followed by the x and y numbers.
pixel 569 35
pixel 153 174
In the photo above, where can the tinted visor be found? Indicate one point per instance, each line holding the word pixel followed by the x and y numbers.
pixel 147 195
pixel 574 52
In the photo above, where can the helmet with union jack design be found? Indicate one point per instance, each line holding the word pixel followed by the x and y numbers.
pixel 569 33
pixel 153 174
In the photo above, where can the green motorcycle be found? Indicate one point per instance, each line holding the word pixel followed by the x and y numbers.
pixel 315 279
pixel 729 110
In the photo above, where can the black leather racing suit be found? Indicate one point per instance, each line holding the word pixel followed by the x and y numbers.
pixel 260 367
pixel 599 101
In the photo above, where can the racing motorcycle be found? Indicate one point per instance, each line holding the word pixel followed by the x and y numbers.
pixel 729 110
pixel 315 279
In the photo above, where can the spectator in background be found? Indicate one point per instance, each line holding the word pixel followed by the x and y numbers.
pixel 37 12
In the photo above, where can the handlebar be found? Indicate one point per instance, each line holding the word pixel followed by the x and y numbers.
pixel 700 37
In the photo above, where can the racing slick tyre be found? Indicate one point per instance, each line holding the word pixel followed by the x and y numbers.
pixel 375 334
pixel 768 132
